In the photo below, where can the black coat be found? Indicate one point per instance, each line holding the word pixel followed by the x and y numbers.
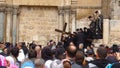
pixel 80 38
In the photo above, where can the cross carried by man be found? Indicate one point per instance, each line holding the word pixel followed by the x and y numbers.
pixel 63 31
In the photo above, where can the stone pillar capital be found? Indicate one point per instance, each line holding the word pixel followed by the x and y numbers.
pixel 9 8
pixel 2 7
pixel 16 10
pixel 67 7
pixel 60 10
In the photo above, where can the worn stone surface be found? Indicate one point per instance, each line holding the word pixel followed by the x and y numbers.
pixel 38 2
pixel 115 8
pixel 114 32
pixel 89 3
pixel 38 23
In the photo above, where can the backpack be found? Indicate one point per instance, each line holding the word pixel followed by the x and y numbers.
pixel 110 65
pixel 28 64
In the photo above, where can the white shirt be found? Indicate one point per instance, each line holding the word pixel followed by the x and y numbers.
pixel 21 56
pixel 48 63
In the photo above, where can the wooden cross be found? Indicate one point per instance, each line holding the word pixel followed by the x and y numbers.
pixel 62 31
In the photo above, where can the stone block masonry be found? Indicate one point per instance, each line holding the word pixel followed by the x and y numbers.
pixel 38 23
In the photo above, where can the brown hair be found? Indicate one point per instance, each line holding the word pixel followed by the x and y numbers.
pixel 66 64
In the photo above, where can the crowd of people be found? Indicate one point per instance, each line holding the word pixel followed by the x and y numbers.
pixel 73 51
pixel 56 56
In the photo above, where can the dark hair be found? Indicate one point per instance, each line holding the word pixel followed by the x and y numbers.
pixel 60 53
pixel 96 12
pixel 81 29
pixel 102 52
pixel 32 54
pixel 15 52
pixel 101 45
pixel 89 17
pixel 85 28
pixel 115 48
pixel 77 29
pixel 25 49
pixel 79 58
pixel 32 46
pixel 71 52
pixel 67 64
pixel 46 53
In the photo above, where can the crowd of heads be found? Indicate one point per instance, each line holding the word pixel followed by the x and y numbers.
pixel 56 56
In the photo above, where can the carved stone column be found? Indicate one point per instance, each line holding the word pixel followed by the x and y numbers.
pixel 73 20
pixel 106 31
pixel 67 17
pixel 9 24
pixel 61 19
pixel 14 28
pixel 2 21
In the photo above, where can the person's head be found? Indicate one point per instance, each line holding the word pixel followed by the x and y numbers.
pixel 6 51
pixel 80 46
pixel 67 64
pixel 32 54
pixel 2 46
pixel 88 48
pixel 19 45
pixel 25 49
pixel 60 53
pixel 101 52
pixel 32 46
pixel 51 42
pixel 37 49
pixel 77 30
pixel 101 45
pixel 39 63
pixel 15 52
pixel 71 51
pixel 79 58
pixel 96 12
pixel 59 45
pixel 46 53
pixel 81 30
pixel 115 48
pixel 91 18
pixel 85 29
pixel 90 53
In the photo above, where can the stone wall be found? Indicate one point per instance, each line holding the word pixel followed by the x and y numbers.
pixel 115 8
pixel 38 23
pixel 86 8
pixel 89 3
pixel 114 32
pixel 38 2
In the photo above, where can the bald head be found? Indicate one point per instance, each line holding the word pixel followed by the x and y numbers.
pixel 71 51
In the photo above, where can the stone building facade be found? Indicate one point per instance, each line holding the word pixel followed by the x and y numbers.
pixel 28 20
